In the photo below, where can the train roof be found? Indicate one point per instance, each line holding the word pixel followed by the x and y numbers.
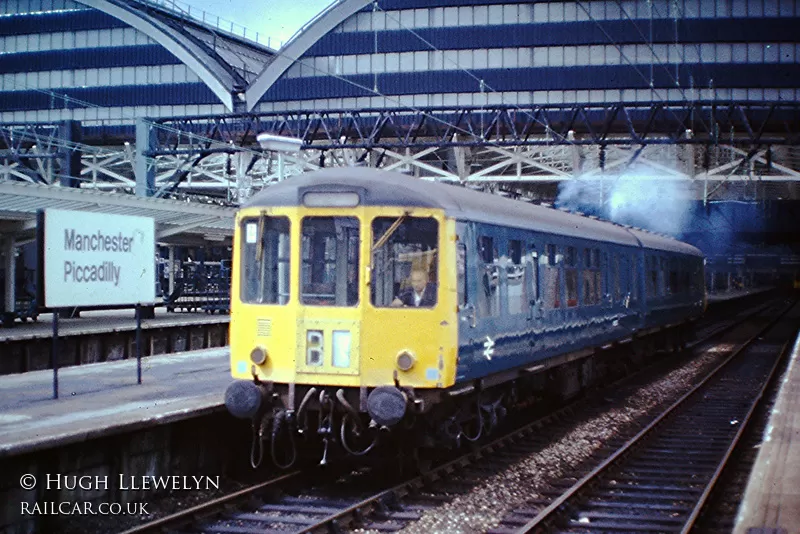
pixel 384 188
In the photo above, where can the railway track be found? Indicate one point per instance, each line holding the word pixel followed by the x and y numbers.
pixel 719 515
pixel 330 499
pixel 660 480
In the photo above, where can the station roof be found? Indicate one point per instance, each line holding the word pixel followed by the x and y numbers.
pixel 224 61
pixel 300 43
pixel 176 222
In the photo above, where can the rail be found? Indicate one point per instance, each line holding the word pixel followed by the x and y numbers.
pixel 191 514
pixel 591 484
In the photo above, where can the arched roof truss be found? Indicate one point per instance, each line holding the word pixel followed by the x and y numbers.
pixel 210 67
pixel 304 39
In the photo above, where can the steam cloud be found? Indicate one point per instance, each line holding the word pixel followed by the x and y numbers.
pixel 637 198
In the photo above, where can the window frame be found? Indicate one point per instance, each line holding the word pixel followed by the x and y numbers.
pixel 244 257
pixel 348 264
pixel 437 262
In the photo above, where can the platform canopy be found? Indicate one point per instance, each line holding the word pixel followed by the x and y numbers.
pixel 177 222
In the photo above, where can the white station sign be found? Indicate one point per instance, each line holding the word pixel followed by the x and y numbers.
pixel 96 259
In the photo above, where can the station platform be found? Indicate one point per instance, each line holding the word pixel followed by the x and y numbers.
pixel 737 294
pixel 102 399
pixel 104 321
pixel 107 335
pixel 772 499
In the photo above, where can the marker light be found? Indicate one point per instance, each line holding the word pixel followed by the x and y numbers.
pixel 315 351
pixel 405 360
pixel 258 356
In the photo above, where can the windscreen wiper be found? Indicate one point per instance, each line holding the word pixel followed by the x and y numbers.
pixel 386 235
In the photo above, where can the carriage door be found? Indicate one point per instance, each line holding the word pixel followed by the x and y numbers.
pixel 531 263
pixel 467 312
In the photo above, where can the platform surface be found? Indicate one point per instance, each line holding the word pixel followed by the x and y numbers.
pixel 105 321
pixel 772 497
pixel 736 293
pixel 104 398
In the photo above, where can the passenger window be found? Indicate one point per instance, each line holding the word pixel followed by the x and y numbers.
pixel 329 249
pixel 405 261
pixel 591 291
pixel 698 281
pixel 673 287
pixel 518 300
pixel 686 277
pixel 634 278
pixel 552 279
pixel 489 303
pixel 615 274
pixel 597 283
pixel 652 276
pixel 265 260
pixel 664 277
pixel 598 276
pixel 461 273
pixel 515 251
pixel 532 264
pixel 571 276
pixel 487 249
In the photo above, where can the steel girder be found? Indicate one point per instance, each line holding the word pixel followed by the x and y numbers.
pixel 742 123
pixel 32 152
pixel 217 155
pixel 717 172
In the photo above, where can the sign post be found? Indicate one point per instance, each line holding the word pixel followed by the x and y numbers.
pixel 95 259
pixel 55 354
pixel 138 343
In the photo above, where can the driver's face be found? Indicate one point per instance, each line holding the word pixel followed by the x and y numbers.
pixel 418 281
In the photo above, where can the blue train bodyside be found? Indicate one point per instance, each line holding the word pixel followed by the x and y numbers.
pixel 531 295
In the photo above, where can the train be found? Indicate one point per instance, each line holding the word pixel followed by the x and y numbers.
pixel 369 306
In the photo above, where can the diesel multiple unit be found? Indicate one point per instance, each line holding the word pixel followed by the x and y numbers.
pixel 518 298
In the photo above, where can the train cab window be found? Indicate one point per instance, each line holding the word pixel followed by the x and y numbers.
pixel 489 295
pixel 515 275
pixel 405 261
pixel 551 284
pixel 571 276
pixel 329 272
pixel 265 260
